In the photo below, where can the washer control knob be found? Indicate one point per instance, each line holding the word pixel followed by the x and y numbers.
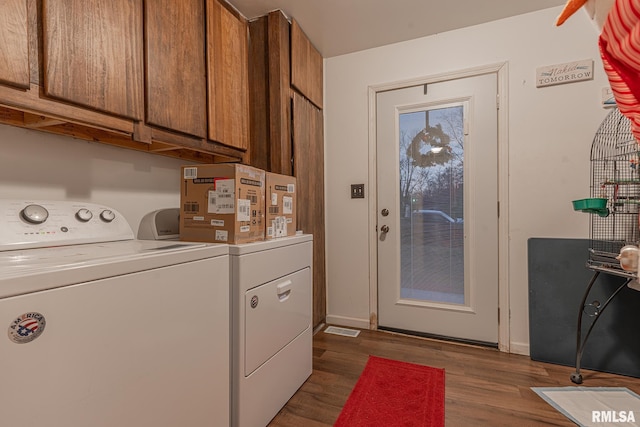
pixel 35 214
pixel 84 215
pixel 107 215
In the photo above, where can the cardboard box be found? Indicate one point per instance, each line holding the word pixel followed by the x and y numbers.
pixel 280 211
pixel 222 203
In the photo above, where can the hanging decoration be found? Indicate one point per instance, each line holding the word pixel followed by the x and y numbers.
pixel 619 42
pixel 430 147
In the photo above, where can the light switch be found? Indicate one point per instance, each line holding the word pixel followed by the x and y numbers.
pixel 357 191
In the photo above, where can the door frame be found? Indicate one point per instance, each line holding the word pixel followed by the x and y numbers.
pixel 501 72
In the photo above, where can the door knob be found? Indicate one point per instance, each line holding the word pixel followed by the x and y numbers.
pixel 385 212
pixel 384 228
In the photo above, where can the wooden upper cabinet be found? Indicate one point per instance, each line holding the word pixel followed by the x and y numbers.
pixel 227 63
pixel 93 54
pixel 176 82
pixel 306 66
pixel 14 43
pixel 270 93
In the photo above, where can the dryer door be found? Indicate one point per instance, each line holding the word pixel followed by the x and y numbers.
pixel 275 314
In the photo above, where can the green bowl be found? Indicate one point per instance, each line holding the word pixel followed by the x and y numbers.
pixel 595 205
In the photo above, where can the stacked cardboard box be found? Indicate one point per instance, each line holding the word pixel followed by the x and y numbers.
pixel 280 210
pixel 222 203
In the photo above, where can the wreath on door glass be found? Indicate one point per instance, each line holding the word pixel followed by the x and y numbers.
pixel 433 137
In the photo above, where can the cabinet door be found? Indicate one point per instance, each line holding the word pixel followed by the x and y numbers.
pixel 270 93
pixel 93 54
pixel 228 81
pixel 308 167
pixel 175 65
pixel 14 47
pixel 306 66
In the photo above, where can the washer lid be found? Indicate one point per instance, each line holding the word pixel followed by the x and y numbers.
pixel 30 270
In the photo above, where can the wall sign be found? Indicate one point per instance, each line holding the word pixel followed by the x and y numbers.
pixel 608 100
pixel 569 72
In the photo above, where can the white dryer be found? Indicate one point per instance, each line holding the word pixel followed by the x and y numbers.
pixel 103 330
pixel 271 286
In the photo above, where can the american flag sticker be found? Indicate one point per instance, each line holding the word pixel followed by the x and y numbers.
pixel 26 328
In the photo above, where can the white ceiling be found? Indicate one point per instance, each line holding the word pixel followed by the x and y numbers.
pixel 336 27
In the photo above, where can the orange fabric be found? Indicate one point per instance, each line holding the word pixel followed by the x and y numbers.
pixel 620 51
pixel 569 9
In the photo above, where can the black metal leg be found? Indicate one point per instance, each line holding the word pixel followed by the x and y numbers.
pixel 576 377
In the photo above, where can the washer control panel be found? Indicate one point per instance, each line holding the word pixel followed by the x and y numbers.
pixel 26 224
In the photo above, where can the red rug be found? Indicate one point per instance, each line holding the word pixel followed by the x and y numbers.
pixel 392 393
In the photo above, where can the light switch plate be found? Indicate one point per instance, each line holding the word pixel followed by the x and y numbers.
pixel 357 191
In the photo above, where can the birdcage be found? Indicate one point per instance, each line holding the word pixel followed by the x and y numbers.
pixel 615 192
pixel 614 202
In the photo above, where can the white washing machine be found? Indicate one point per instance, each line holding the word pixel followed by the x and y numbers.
pixel 103 330
pixel 271 286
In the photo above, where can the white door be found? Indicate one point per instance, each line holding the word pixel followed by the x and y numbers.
pixel 437 208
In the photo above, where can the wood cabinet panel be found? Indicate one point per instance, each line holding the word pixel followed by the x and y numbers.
pixel 280 93
pixel 259 144
pixel 306 66
pixel 92 53
pixel 308 148
pixel 175 65
pixel 14 44
pixel 270 93
pixel 228 86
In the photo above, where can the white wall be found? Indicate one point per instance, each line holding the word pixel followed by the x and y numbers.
pixel 37 165
pixel 550 135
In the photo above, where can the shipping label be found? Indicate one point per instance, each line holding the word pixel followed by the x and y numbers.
pixel 221 200
pixel 287 205
pixel 244 210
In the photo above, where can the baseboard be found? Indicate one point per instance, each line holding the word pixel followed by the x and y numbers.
pixel 347 321
pixel 519 348
pixel 351 322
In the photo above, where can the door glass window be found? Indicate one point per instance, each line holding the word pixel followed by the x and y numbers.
pixel 431 143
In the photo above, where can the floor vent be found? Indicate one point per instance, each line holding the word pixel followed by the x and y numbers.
pixel 342 331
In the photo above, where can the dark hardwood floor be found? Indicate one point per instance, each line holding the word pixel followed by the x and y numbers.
pixel 484 387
